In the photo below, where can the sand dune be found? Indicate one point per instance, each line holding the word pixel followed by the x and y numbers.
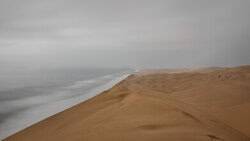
pixel 204 104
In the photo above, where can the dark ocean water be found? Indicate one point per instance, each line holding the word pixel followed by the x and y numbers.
pixel 27 97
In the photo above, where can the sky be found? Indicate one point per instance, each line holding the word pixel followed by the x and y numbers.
pixel 124 33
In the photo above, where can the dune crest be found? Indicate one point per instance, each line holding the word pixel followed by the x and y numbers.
pixel 186 105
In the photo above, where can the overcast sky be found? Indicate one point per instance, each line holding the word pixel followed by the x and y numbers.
pixel 124 33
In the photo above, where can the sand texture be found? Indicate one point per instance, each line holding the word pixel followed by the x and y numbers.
pixel 203 104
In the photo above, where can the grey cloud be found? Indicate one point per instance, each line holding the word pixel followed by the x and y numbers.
pixel 138 33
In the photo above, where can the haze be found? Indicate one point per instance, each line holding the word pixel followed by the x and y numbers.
pixel 128 33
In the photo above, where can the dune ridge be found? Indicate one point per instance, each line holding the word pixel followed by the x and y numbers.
pixel 204 104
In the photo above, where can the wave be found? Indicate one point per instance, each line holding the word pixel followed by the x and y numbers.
pixel 29 110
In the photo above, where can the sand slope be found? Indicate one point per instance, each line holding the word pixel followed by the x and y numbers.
pixel 186 105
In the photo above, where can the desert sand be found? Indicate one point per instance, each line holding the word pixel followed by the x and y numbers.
pixel 203 104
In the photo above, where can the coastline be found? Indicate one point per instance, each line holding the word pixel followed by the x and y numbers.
pixel 195 104
pixel 55 107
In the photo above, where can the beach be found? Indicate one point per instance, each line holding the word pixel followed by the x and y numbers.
pixel 201 104
pixel 26 105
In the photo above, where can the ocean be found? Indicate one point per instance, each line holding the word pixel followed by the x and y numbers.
pixel 29 96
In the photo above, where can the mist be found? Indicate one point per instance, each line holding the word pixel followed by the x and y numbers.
pixel 112 33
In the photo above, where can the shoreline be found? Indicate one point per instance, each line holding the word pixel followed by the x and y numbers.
pixel 191 105
pixel 57 106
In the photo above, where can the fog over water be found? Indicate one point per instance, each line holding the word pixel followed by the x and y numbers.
pixel 57 53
